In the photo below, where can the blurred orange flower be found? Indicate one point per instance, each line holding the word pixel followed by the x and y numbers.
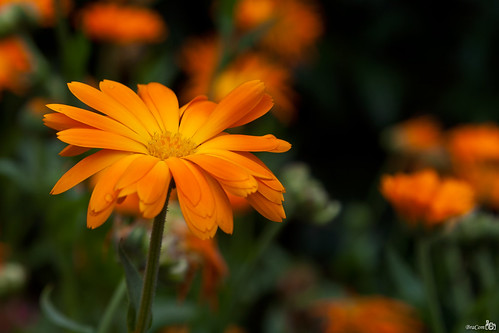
pixel 474 151
pixel 474 143
pixel 417 135
pixel 204 254
pixel 423 197
pixel 200 59
pixel 111 22
pixel 44 11
pixel 294 25
pixel 374 314
pixel 146 141
pixel 15 64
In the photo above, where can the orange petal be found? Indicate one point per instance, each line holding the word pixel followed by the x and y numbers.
pixel 233 177
pixel 184 179
pixel 87 167
pixel 130 101
pixel 104 195
pixel 93 138
pixel 223 209
pixel 259 110
pixel 138 169
pixel 96 120
pixel 196 99
pixel 163 103
pixel 71 150
pixel 239 142
pixel 61 122
pixel 270 210
pixel 233 107
pixel 195 116
pixel 105 104
pixel 155 183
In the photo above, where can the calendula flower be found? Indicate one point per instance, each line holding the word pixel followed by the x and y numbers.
pixel 426 198
pixel 146 141
pixel 121 24
pixel 200 255
pixel 474 143
pixel 372 314
pixel 418 135
pixel 293 25
pixel 474 152
pixel 200 59
pixel 15 64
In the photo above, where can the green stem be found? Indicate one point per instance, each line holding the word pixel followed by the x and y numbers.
pixel 144 315
pixel 426 270
pixel 113 305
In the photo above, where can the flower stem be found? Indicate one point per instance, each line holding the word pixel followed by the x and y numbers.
pixel 144 314
pixel 426 271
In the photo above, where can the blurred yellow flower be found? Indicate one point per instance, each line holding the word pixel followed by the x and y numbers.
pixel 424 197
pixel 15 64
pixel 373 314
pixel 294 25
pixel 121 24
pixel 200 59
pixel 146 141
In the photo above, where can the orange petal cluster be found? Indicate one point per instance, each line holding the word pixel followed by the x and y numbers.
pixel 373 314
pixel 293 25
pixel 200 59
pixel 423 197
pixel 146 141
pixel 15 64
pixel 121 24
pixel 420 134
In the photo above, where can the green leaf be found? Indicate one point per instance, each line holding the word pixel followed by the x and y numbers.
pixel 134 287
pixel 57 317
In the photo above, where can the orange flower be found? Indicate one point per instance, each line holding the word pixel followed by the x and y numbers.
pixel 200 60
pixel 421 134
pixel 474 143
pixel 146 141
pixel 199 253
pixel 15 64
pixel 375 314
pixel 294 25
pixel 43 11
pixel 424 197
pixel 121 24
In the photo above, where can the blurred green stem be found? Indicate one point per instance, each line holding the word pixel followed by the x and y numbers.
pixel 113 305
pixel 152 267
pixel 426 271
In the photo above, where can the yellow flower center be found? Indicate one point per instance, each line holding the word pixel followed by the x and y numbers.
pixel 166 145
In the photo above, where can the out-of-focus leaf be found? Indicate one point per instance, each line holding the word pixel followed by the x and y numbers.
pixel 57 317
pixel 134 287
pixel 405 281
pixel 169 312
pixel 10 170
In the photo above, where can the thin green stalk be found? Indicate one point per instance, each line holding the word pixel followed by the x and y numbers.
pixel 426 270
pixel 113 305
pixel 144 315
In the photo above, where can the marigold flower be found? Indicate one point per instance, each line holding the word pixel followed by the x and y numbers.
pixel 474 143
pixel 474 152
pixel 426 198
pixel 284 37
pixel 121 24
pixel 200 59
pixel 372 314
pixel 15 64
pixel 417 135
pixel 146 141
